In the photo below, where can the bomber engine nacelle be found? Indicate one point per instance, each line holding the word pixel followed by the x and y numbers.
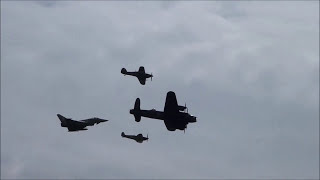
pixel 182 108
pixel 137 118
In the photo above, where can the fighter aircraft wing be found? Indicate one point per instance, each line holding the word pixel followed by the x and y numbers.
pixel 72 124
pixel 142 81
pixel 75 123
pixel 92 121
pixel 171 105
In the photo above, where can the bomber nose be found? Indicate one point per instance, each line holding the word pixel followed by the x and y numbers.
pixel 193 119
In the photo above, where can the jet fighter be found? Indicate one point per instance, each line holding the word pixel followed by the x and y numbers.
pixel 81 125
pixel 141 74
pixel 174 115
pixel 139 138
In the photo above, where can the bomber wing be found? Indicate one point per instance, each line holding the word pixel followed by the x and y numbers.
pixel 171 105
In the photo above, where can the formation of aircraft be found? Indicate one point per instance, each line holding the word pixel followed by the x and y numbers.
pixel 174 116
pixel 80 125
pixel 139 138
pixel 141 74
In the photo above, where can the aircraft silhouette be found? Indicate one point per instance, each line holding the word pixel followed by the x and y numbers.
pixel 73 125
pixel 141 75
pixel 173 115
pixel 139 138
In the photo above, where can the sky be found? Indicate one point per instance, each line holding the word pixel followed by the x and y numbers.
pixel 249 72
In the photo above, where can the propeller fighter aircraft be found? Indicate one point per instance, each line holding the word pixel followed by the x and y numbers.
pixel 139 138
pixel 141 74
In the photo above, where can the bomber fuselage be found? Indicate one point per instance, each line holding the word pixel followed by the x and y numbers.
pixel 149 113
pixel 154 114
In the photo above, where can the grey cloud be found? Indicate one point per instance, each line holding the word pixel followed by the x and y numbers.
pixel 248 70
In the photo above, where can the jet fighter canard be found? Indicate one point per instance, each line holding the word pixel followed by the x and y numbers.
pixel 141 74
pixel 173 115
pixel 139 138
pixel 80 125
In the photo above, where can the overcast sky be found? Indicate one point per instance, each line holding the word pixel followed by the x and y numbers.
pixel 249 71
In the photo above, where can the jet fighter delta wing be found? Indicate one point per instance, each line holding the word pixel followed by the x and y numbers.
pixel 173 115
pixel 139 138
pixel 141 74
pixel 81 125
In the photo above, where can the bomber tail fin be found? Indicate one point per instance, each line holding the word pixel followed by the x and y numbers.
pixel 137 104
pixel 136 110
pixel 123 71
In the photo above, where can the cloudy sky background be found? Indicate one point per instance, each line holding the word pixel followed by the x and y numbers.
pixel 248 70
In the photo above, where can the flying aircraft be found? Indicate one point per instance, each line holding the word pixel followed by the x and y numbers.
pixel 139 138
pixel 174 115
pixel 141 74
pixel 73 125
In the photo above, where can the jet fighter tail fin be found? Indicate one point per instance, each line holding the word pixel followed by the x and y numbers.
pixel 62 119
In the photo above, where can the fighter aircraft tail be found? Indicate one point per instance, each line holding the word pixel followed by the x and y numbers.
pixel 62 119
pixel 123 71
